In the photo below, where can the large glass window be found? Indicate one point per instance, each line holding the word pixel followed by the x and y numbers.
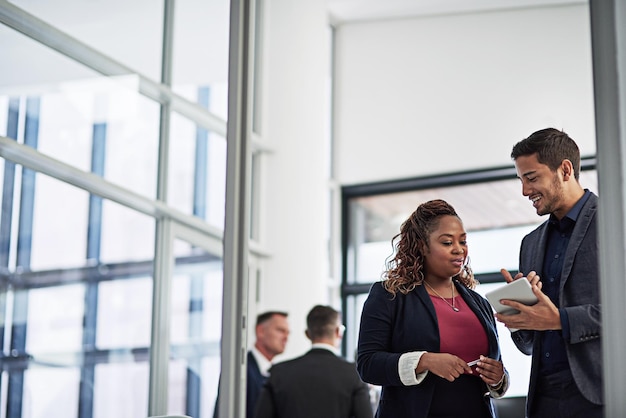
pixel 496 217
pixel 70 317
pixel 88 259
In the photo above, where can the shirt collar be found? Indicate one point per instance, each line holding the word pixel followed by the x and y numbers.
pixel 262 361
pixel 575 211
pixel 326 347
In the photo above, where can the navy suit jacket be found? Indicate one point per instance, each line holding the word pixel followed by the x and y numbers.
pixel 392 326
pixel 318 384
pixel 255 381
pixel 579 295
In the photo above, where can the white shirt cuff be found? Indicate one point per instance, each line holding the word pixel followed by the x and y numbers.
pixel 406 368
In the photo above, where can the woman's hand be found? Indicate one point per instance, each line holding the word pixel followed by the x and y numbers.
pixel 490 370
pixel 447 366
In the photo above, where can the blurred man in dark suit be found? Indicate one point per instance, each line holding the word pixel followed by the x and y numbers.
pixel 320 383
pixel 272 330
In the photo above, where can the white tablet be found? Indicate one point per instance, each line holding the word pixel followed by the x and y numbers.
pixel 518 290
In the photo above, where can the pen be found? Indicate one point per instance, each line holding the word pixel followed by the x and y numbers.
pixel 473 363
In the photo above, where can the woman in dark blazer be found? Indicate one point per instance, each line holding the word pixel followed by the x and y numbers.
pixel 426 337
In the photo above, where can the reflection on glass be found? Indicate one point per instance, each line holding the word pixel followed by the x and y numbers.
pixel 51 389
pixel 124 311
pixel 121 389
pixel 91 23
pixel 103 120
pixel 126 235
pixel 4 114
pixel 59 235
pixel 196 317
pixel 73 114
pixel 71 318
pixel 197 172
pixel 54 325
pixel 202 66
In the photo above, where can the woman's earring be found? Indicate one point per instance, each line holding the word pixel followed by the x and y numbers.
pixel 467 269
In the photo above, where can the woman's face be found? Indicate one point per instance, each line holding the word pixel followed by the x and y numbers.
pixel 448 249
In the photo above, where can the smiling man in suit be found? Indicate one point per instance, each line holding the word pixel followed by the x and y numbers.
pixel 562 331
pixel 319 383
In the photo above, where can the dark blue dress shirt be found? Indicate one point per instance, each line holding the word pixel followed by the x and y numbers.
pixel 553 355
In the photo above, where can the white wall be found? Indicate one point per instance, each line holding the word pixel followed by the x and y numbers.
pixel 295 105
pixel 439 94
pixel 455 92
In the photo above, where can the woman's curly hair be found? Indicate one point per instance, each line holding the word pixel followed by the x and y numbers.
pixel 405 267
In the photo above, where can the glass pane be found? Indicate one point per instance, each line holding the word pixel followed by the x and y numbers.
pixel 4 112
pixel 195 332
pixel 44 397
pixel 91 23
pixel 106 120
pixel 121 389
pixel 59 235
pixel 200 61
pixel 197 172
pixel 54 325
pixel 34 67
pixel 495 215
pixel 127 235
pixel 68 317
pixel 124 313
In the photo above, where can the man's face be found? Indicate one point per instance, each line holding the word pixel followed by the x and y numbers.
pixel 272 335
pixel 541 185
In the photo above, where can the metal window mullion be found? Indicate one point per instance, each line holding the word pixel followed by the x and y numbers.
pixel 163 257
pixel 23 259
pixel 161 307
pixel 94 238
pixel 30 158
pixel 236 231
pixel 200 178
pixel 196 288
pixel 8 189
pixel 608 35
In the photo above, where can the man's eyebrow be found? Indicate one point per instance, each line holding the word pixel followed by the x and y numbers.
pixel 528 173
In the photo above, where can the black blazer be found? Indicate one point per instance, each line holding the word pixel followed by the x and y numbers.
pixel 579 295
pixel 318 384
pixel 392 326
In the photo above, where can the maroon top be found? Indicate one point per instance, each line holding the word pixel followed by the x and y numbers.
pixel 460 333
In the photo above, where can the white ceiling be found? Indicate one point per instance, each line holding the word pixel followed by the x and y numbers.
pixel 343 11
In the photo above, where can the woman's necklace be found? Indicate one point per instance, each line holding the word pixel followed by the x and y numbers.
pixel 454 308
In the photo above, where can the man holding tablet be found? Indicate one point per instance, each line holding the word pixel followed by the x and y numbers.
pixel 560 260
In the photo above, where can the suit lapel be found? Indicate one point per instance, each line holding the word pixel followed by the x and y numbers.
pixel 578 234
pixel 424 298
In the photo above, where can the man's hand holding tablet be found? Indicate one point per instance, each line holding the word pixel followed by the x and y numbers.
pixel 518 290
pixel 540 316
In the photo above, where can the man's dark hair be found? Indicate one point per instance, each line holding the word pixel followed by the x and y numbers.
pixel 552 147
pixel 266 316
pixel 321 322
